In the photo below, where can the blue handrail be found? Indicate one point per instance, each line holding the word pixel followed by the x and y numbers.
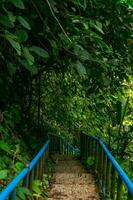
pixel 14 183
pixel 110 174
pixel 118 168
pixel 38 156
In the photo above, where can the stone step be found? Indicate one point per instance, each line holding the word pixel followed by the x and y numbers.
pixel 64 157
pixel 71 181
pixel 72 178
pixel 73 191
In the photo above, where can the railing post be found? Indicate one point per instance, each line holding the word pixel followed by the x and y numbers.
pixel 101 167
pixel 31 178
pixel 26 181
pixel 95 154
pixel 37 171
pixel 113 183
pixel 129 196
pixel 119 189
pixel 108 178
pixel 85 151
pixel 104 172
pixel 50 147
pixel 90 147
pixel 59 146
pixel 13 195
pixel 81 146
pixel 87 146
pixel 40 177
pixel 43 162
pixel 99 160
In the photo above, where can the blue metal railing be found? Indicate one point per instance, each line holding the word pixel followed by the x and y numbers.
pixel 55 144
pixel 114 182
pixel 60 145
pixel 34 170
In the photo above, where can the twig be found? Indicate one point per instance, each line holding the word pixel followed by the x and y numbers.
pixel 58 21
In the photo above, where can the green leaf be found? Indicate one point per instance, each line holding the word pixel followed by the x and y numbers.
pixel 31 68
pixel 11 68
pixel 85 4
pixel 36 187
pixel 90 161
pixel 81 53
pixel 97 25
pixel 5 147
pixel 11 17
pixel 12 39
pixel 78 3
pixel 39 51
pixel 3 174
pixel 19 166
pixel 22 35
pixel 81 69
pixel 28 56
pixel 54 47
pixel 15 45
pixel 5 21
pixel 3 129
pixel 22 193
pixel 18 3
pixel 24 23
pixel 121 110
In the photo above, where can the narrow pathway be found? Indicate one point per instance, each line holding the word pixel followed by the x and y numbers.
pixel 71 181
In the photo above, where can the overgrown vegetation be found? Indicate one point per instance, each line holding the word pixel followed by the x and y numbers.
pixel 66 67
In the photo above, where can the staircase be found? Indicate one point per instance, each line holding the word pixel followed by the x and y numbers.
pixel 71 181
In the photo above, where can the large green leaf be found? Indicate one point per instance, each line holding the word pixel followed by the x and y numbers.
pixel 3 174
pixel 11 15
pixel 18 3
pixel 22 35
pixel 28 56
pixel 5 21
pixel 5 147
pixel 39 51
pixel 12 39
pixel 81 52
pixel 24 23
pixel 81 69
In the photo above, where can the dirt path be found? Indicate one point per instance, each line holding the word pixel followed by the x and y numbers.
pixel 71 181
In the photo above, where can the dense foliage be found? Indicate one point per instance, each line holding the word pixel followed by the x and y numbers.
pixel 66 67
